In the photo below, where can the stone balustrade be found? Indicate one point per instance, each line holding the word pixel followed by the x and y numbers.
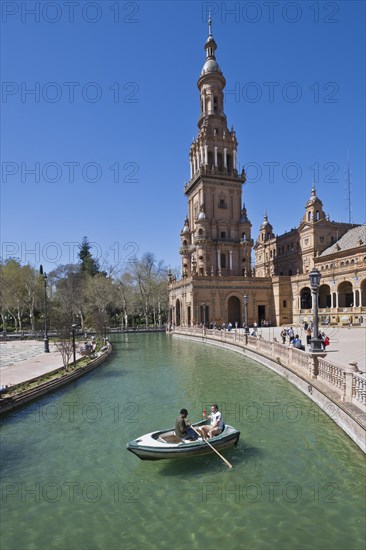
pixel 332 374
pixel 359 388
pixel 344 381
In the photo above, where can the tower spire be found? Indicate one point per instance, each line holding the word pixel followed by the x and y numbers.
pixel 209 24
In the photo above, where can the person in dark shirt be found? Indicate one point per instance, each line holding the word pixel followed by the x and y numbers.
pixel 182 428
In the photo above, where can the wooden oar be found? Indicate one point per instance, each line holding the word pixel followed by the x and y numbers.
pixel 213 448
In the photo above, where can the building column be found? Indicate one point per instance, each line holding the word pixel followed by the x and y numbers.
pixel 198 160
pixel 206 155
pixel 201 152
pixel 191 167
pixel 230 260
pixel 215 157
pixel 225 157
pixel 218 260
pixel 234 159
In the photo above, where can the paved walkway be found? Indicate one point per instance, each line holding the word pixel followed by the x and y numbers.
pixel 21 361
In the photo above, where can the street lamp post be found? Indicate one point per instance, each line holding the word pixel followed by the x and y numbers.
pixel 45 340
pixel 315 342
pixel 73 344
pixel 245 300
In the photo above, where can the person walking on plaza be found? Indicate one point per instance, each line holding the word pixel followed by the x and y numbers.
pixel 308 336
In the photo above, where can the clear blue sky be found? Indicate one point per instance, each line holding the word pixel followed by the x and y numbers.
pixel 116 86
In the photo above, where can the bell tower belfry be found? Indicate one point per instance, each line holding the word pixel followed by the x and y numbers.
pixel 216 238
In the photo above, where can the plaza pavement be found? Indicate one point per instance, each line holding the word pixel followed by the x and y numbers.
pixel 346 345
pixel 21 361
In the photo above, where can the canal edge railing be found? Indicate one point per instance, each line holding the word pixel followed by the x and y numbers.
pixel 21 398
pixel 338 390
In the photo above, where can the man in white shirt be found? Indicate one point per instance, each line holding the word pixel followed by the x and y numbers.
pixel 216 423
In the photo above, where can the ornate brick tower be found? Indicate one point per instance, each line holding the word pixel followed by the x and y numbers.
pixel 216 237
pixel 218 285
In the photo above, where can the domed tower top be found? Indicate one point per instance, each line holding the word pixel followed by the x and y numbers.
pixel 211 82
pixel 266 230
pixel 211 65
pixel 314 208
pixel 244 215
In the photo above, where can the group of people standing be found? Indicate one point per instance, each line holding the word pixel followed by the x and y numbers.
pixel 295 340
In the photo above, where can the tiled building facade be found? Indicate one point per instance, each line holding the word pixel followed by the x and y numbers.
pixel 216 240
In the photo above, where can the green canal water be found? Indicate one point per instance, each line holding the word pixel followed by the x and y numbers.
pixel 68 481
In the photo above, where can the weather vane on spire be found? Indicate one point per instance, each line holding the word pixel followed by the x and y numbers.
pixel 209 24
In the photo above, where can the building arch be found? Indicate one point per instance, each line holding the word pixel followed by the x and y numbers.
pixel 345 294
pixel 234 310
pixel 305 298
pixel 324 296
pixel 177 313
pixel 363 292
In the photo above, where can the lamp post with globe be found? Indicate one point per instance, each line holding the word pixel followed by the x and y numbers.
pixel 315 342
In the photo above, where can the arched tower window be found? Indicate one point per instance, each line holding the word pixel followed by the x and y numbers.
pixel 210 159
pixel 215 104
pixel 223 260
pixel 219 161
pixel 229 163
pixel 309 216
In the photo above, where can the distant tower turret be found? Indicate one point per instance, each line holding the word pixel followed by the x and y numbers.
pixel 314 208
pixel 266 230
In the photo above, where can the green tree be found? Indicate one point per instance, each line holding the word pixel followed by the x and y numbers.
pixel 149 280
pixel 21 291
pixel 87 263
pixel 70 294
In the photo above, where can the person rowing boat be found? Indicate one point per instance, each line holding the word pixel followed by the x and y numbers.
pixel 183 429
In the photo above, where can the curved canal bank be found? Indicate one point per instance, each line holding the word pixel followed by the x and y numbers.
pixel 46 383
pixel 339 391
pixel 68 480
